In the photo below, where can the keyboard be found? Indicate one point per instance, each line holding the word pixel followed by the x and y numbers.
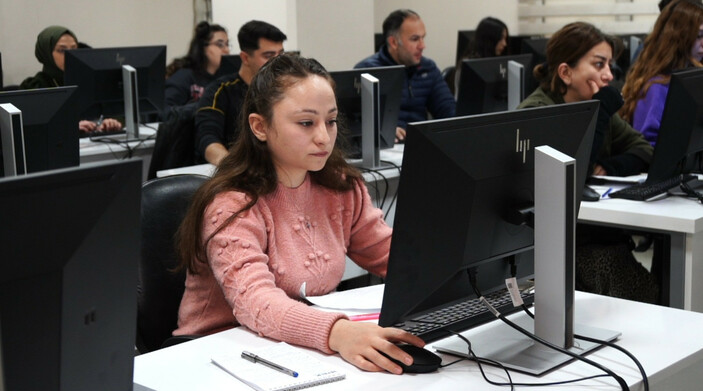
pixel 102 134
pixel 461 315
pixel 651 191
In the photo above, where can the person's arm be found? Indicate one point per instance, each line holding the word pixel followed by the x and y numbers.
pixel 177 89
pixel 210 124
pixel 369 235
pixel 215 152
pixel 630 153
pixel 237 257
pixel 648 112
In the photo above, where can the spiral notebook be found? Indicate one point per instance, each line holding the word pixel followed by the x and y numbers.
pixel 311 371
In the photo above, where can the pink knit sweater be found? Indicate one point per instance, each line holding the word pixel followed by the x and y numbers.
pixel 258 265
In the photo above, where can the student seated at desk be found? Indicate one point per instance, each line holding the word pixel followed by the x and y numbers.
pixel 276 221
pixel 187 76
pixel 491 40
pixel 216 124
pixel 52 43
pixel 675 43
pixel 578 69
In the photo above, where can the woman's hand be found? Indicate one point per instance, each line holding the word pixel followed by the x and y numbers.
pixel 599 170
pixel 361 344
pixel 110 125
pixel 86 126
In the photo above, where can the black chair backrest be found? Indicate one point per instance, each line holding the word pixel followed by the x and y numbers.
pixel 159 291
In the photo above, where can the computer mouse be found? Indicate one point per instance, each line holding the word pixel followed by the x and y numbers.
pixel 589 194
pixel 424 361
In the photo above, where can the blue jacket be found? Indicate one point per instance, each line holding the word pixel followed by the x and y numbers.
pixel 425 90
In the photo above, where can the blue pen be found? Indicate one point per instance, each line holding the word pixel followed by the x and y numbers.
pixel 607 192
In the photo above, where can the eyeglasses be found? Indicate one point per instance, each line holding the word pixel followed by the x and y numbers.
pixel 62 50
pixel 221 44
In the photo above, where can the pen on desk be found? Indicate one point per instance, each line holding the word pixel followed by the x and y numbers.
pixel 607 192
pixel 362 317
pixel 99 121
pixel 258 360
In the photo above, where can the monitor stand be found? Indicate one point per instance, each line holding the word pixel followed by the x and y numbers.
pixel 555 240
pixel 131 102
pixel 370 123
pixel 12 140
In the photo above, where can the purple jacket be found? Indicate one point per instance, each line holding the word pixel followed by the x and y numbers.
pixel 648 112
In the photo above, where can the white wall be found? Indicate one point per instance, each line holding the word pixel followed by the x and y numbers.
pixel 232 14
pixel 99 23
pixel 341 38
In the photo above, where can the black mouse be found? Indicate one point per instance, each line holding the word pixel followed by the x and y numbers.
pixel 589 194
pixel 424 361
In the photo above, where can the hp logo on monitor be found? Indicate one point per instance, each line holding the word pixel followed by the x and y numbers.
pixel 521 146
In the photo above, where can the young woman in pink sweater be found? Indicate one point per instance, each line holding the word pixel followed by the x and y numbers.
pixel 278 218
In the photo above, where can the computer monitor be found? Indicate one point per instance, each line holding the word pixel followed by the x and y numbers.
pixel 630 43
pixel 679 146
pixel 537 47
pixel 465 185
pixel 463 43
pixel 483 84
pixel 229 64
pixel 378 41
pixel 348 92
pixel 50 126
pixel 68 298
pixel 98 75
pixel 1 77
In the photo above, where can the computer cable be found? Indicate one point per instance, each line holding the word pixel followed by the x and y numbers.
pixel 482 360
pixel 395 194
pixel 645 379
pixel 690 192
pixel 497 314
pixel 380 201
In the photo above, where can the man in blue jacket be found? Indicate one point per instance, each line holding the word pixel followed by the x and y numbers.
pixel 425 89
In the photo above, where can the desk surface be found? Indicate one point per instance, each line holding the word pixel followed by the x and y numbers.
pixel 676 214
pixel 666 341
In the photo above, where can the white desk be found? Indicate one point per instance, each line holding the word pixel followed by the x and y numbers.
pixel 96 151
pixel 682 219
pixel 382 185
pixel 666 341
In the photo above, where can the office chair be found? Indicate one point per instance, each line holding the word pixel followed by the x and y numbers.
pixel 175 140
pixel 448 75
pixel 159 289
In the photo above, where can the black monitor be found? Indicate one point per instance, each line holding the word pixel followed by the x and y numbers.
pixel 537 47
pixel 50 124
pixel 679 146
pixel 483 83
pixel 630 44
pixel 98 75
pixel 68 298
pixel 378 41
pixel 463 184
pixel 229 64
pixel 1 77
pixel 463 43
pixel 348 92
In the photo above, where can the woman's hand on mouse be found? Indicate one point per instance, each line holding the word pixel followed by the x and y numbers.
pixel 361 344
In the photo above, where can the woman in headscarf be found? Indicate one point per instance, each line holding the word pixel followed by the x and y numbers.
pixel 50 49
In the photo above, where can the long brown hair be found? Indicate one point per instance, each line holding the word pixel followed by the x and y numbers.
pixel 569 45
pixel 666 49
pixel 248 167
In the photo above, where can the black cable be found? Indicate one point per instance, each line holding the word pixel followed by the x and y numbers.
pixel 620 380
pixel 482 360
pixel 395 193
pixel 645 379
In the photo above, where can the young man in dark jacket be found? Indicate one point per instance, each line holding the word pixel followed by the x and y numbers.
pixel 216 118
pixel 425 90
